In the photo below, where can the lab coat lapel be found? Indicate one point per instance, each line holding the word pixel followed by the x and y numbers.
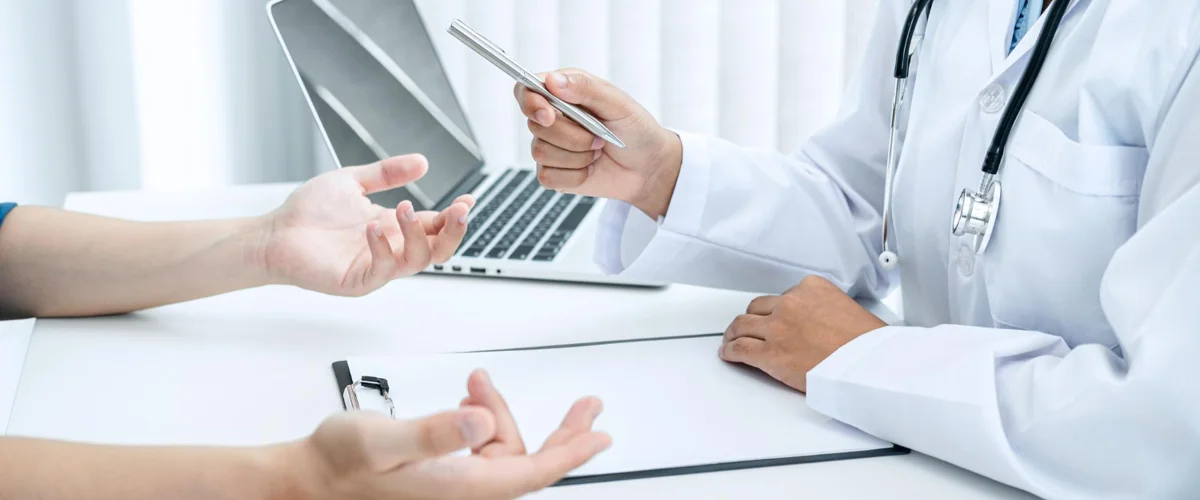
pixel 1002 17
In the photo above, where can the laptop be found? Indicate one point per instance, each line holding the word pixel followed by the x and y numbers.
pixel 377 88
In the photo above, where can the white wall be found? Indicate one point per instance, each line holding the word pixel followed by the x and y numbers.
pixel 164 95
pixel 763 73
pixel 39 135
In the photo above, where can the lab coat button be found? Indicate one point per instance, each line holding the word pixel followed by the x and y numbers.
pixel 966 261
pixel 993 99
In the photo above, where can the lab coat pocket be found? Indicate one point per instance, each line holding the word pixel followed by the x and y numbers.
pixel 1065 210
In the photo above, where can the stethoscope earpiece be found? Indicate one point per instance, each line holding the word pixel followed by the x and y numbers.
pixel 888 260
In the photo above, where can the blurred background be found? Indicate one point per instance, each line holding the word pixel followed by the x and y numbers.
pixel 183 94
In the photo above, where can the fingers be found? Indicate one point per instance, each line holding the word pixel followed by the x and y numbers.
pixel 383 262
pixel 748 350
pixel 549 155
pixel 763 306
pixel 747 325
pixel 576 86
pixel 561 178
pixel 507 439
pixel 416 254
pixel 554 462
pixel 578 421
pixel 433 222
pixel 390 173
pixel 433 436
pixel 466 199
pixel 568 135
pixel 534 106
pixel 453 222
pixel 516 476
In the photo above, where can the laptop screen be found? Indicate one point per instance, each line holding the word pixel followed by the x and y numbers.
pixel 377 87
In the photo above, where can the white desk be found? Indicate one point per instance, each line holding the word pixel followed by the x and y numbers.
pixel 254 366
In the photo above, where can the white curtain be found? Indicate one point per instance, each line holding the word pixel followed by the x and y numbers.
pixel 164 95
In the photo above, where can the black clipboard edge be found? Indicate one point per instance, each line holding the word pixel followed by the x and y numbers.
pixel 341 372
pixel 730 466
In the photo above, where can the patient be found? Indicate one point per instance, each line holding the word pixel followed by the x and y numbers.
pixel 326 237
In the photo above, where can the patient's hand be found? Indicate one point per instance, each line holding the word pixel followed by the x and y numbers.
pixel 330 238
pixel 365 455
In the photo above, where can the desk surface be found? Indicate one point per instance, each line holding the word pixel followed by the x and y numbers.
pixel 254 366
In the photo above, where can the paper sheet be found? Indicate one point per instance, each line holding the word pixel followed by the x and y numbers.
pixel 667 403
pixel 14 344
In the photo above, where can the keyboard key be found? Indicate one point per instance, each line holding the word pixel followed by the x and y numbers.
pixel 502 181
pixel 481 216
pixel 521 253
pixel 577 214
pixel 495 226
pixel 510 238
pixel 542 227
pixel 558 239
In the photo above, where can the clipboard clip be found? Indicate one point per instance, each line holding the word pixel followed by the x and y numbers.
pixel 350 393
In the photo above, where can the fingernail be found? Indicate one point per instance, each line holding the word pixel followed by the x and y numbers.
pixel 376 229
pixel 559 79
pixel 474 427
pixel 462 219
pixel 596 155
pixel 409 213
pixel 543 117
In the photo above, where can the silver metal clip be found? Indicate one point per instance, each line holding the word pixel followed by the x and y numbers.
pixel 350 393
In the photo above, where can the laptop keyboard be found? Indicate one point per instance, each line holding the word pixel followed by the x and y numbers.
pixel 516 215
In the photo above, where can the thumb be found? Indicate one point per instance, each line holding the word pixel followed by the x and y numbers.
pixel 390 173
pixel 432 436
pixel 603 99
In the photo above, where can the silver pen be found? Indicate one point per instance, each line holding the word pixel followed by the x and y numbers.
pixel 497 57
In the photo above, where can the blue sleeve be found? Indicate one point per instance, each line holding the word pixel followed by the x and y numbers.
pixel 5 208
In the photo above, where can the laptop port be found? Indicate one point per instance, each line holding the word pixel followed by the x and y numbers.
pixel 478 270
pixel 457 269
pixel 438 267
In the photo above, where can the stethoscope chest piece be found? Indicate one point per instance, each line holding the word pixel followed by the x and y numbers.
pixel 976 213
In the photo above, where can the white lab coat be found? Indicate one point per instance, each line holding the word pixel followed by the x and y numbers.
pixel 1063 361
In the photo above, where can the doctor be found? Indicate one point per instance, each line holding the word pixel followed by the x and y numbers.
pixel 1060 358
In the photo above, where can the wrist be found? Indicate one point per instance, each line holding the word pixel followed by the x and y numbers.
pixel 252 237
pixel 292 471
pixel 659 187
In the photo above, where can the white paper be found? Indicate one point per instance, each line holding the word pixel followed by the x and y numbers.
pixel 14 344
pixel 667 404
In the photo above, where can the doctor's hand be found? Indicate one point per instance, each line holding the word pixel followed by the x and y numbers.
pixel 330 238
pixel 365 455
pixel 571 159
pixel 788 335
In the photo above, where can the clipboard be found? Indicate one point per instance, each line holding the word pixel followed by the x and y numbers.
pixel 784 432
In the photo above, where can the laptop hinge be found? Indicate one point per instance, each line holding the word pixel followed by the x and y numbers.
pixel 465 186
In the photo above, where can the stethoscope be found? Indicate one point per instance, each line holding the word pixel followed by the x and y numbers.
pixel 976 210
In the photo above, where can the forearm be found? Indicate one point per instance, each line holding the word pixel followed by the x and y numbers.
pixel 51 470
pixel 731 225
pixel 59 263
